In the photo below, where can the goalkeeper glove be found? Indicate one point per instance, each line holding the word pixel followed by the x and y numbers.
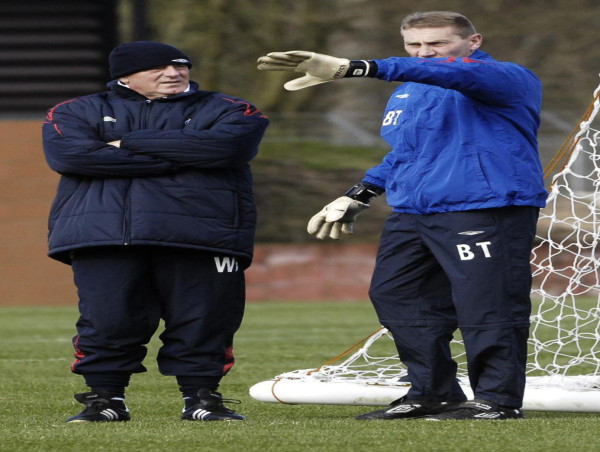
pixel 340 215
pixel 318 68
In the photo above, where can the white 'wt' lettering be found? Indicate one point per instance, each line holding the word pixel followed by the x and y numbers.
pixel 465 253
pixel 226 264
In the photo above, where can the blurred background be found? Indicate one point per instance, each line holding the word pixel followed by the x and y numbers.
pixel 320 141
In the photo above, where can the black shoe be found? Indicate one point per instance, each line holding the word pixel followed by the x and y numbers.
pixel 404 408
pixel 478 409
pixel 208 406
pixel 99 407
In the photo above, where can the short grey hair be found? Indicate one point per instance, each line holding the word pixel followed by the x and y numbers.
pixel 437 19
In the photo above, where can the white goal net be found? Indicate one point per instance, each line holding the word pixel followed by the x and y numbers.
pixel 564 347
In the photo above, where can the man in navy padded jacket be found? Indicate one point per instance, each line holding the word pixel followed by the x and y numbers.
pixel 155 214
pixel 465 183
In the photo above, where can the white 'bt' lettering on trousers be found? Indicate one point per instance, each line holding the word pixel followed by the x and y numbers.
pixel 465 253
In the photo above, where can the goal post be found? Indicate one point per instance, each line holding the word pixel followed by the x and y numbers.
pixel 563 369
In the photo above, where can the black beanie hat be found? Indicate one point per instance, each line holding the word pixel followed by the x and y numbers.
pixel 137 56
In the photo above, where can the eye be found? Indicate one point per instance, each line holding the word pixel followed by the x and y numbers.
pixel 157 69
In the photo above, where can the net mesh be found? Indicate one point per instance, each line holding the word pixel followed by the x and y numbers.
pixel 565 332
pixel 565 326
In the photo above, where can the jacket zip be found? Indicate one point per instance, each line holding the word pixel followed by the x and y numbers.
pixel 127 208
pixel 127 216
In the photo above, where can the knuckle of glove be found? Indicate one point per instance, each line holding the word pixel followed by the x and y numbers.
pixel 324 66
pixel 334 215
pixel 340 209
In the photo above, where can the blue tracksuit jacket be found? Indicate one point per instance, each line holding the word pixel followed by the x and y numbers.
pixel 463 133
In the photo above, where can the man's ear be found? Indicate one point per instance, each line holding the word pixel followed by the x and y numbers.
pixel 476 41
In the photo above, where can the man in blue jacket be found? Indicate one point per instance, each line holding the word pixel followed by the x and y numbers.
pixel 155 214
pixel 465 183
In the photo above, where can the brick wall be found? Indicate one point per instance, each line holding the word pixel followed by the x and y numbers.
pixel 26 190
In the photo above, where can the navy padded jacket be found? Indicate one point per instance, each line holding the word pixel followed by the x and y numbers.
pixel 181 177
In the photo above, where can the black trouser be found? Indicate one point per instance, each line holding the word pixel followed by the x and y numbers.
pixel 124 292
pixel 468 270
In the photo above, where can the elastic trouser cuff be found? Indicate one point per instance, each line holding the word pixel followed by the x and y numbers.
pixel 189 385
pixel 113 383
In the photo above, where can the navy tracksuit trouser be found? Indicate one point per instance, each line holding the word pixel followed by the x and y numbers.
pixel 468 270
pixel 124 292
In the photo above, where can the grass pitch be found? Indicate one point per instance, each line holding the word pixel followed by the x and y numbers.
pixel 36 388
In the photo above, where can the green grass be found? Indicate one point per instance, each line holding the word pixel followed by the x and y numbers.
pixel 36 390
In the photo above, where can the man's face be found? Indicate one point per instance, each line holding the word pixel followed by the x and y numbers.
pixel 160 81
pixel 439 42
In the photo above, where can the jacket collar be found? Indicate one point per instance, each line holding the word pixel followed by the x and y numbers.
pixel 481 55
pixel 128 93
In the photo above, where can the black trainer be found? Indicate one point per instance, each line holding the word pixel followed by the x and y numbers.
pixel 208 406
pixel 405 408
pixel 99 407
pixel 478 409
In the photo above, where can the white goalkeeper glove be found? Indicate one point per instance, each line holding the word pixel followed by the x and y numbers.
pixel 318 68
pixel 338 216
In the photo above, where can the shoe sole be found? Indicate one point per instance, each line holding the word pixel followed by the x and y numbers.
pixel 76 421
pixel 213 419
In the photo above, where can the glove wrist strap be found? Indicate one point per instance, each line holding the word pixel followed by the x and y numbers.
pixel 361 68
pixel 364 192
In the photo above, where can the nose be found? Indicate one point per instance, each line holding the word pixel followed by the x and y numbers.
pixel 426 51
